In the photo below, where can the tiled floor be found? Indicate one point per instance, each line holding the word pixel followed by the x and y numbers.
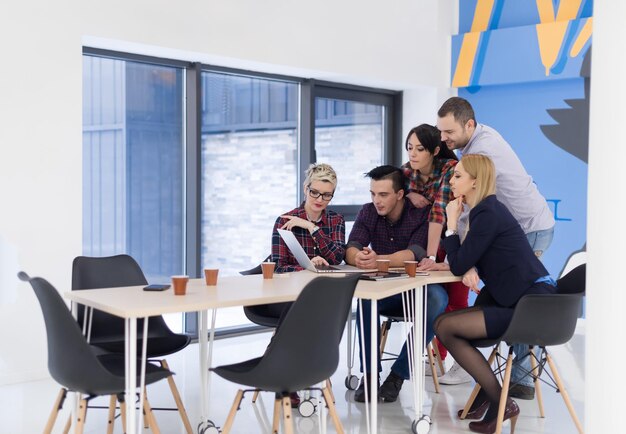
pixel 24 407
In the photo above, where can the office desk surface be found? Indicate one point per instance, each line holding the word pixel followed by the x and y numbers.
pixel 133 302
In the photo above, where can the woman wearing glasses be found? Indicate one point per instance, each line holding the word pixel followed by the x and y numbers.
pixel 320 231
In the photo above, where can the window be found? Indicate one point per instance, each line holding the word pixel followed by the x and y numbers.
pixel 133 178
pixel 188 165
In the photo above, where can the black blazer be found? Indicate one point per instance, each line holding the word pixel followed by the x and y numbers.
pixel 499 249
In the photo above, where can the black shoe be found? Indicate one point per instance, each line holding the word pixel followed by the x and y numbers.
pixel 520 391
pixel 390 389
pixel 359 394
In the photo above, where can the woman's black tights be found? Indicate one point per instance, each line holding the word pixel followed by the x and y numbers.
pixel 455 330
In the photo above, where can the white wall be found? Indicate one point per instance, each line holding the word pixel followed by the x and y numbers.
pixel 400 45
pixel 606 289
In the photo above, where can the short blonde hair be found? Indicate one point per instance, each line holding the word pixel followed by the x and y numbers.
pixel 481 169
pixel 320 172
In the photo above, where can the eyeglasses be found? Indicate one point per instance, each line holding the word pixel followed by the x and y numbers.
pixel 325 196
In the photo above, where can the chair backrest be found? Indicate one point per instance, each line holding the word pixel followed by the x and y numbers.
pixel 305 349
pixel 574 281
pixel 107 272
pixel 71 361
pixel 255 270
pixel 544 319
pixel 259 314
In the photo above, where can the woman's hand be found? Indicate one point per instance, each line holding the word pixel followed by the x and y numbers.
pixel 418 200
pixel 436 266
pixel 318 260
pixel 294 221
pixel 427 264
pixel 453 212
pixel 471 280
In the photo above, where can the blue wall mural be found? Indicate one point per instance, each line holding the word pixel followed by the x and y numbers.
pixel 524 66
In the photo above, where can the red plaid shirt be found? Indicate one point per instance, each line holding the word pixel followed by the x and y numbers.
pixel 436 189
pixel 328 242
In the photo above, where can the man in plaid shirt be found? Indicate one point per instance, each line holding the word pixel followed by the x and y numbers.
pixel 390 227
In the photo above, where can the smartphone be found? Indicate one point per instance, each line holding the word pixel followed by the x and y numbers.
pixel 156 287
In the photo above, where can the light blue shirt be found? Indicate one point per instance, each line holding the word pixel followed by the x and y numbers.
pixel 514 187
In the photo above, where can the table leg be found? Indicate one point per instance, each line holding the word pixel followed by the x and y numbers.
pixel 202 340
pixel 374 356
pixel 142 378
pixel 130 356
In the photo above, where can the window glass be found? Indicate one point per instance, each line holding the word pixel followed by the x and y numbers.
pixel 249 166
pixel 133 167
pixel 349 136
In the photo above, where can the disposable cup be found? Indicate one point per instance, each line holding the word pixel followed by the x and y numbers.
pixel 180 284
pixel 382 265
pixel 210 276
pixel 410 267
pixel 268 269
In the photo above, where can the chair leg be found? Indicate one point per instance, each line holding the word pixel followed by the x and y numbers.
pixel 433 368
pixel 332 411
pixel 504 394
pixel 68 425
pixel 233 411
pixel 287 422
pixel 255 396
pixel 149 419
pixel 82 414
pixel 564 394
pixel 276 420
pixel 111 417
pixel 435 346
pixel 123 412
pixel 384 332
pixel 58 405
pixel 329 386
pixel 535 372
pixel 179 401
pixel 476 389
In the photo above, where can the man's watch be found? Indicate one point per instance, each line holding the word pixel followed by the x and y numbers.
pixel 450 232
pixel 314 229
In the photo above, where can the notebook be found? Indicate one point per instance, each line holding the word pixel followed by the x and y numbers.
pixel 305 262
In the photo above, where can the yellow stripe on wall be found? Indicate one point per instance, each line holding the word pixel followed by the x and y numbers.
pixel 465 64
pixel 568 10
pixel 482 15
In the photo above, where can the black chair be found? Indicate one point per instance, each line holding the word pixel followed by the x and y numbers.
pixel 304 351
pixel 74 364
pixel 266 315
pixel 539 320
pixel 107 331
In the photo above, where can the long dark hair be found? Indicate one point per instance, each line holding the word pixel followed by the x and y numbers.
pixel 430 138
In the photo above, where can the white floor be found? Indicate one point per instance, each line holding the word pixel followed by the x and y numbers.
pixel 24 407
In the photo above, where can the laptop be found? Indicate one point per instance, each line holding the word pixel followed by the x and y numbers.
pixel 305 262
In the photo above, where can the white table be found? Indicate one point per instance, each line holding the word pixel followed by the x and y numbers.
pixel 132 303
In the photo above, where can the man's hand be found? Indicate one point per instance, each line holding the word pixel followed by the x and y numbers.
pixel 366 258
pixel 471 280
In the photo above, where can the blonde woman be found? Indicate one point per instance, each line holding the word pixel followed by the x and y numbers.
pixel 497 247
pixel 320 231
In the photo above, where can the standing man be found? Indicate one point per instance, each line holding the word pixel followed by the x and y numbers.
pixel 390 227
pixel 514 188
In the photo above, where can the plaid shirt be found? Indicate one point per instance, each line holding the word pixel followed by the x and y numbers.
pixel 410 232
pixel 436 189
pixel 328 242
